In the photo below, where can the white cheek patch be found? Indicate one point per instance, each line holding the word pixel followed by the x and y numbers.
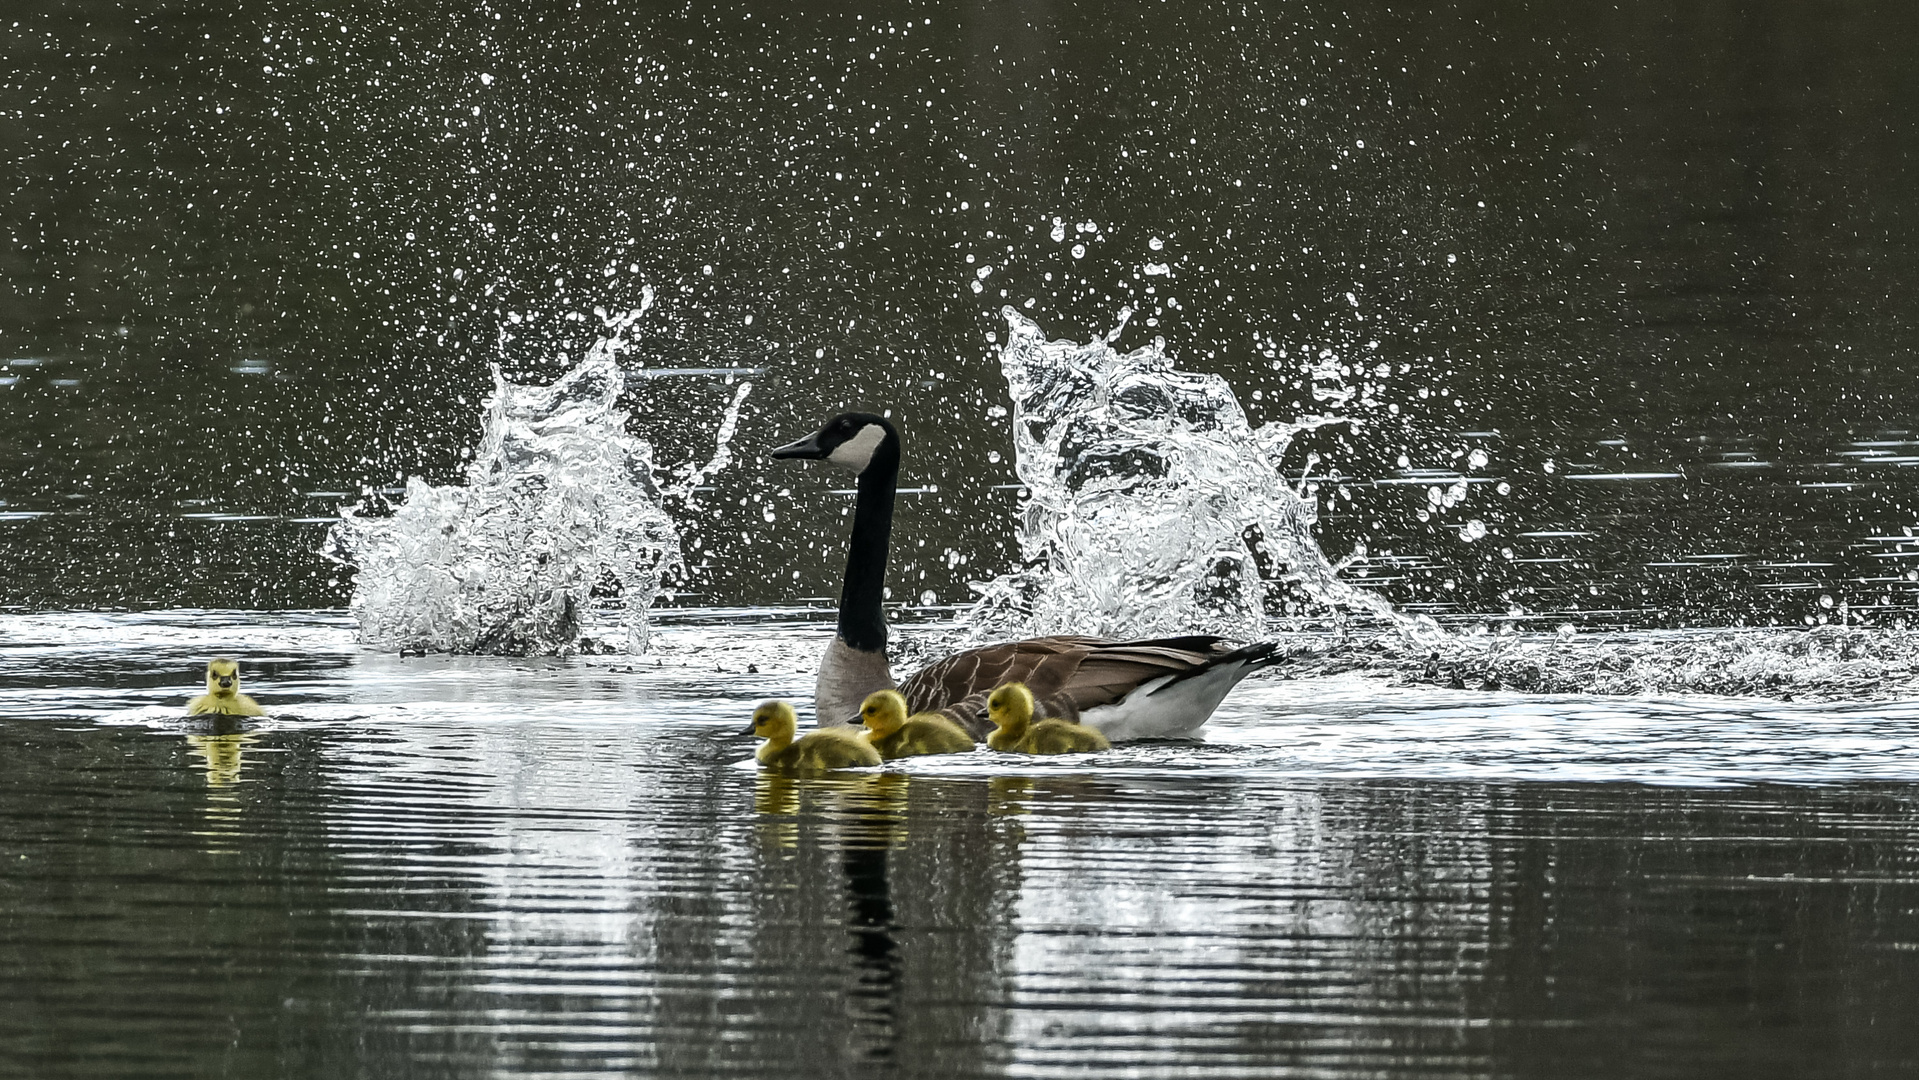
pixel 857 452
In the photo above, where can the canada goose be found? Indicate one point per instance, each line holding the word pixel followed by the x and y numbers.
pixel 817 751
pixel 223 693
pixel 1011 709
pixel 1161 688
pixel 896 735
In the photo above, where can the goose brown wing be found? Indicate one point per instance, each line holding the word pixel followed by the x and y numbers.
pixel 1066 674
pixel 958 686
pixel 963 674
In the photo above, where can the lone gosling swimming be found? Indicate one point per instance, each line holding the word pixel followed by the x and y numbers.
pixel 818 751
pixel 1011 710
pixel 223 694
pixel 896 735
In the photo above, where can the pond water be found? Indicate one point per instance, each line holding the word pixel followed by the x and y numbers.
pixel 1595 324
pixel 440 866
pixel 1655 265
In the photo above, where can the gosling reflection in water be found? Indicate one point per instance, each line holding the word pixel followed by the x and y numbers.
pixel 864 817
pixel 1007 796
pixel 221 754
pixel 848 808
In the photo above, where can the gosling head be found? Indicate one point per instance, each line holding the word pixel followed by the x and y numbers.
pixel 774 720
pixel 853 440
pixel 223 678
pixel 1011 704
pixel 883 712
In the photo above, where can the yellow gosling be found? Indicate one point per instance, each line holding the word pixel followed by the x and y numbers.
pixel 223 694
pixel 896 735
pixel 1011 710
pixel 818 751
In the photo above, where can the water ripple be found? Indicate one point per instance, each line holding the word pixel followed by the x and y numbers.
pixel 540 868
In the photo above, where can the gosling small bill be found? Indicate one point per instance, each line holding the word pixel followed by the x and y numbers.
pixel 1011 710
pixel 818 751
pixel 223 694
pixel 896 735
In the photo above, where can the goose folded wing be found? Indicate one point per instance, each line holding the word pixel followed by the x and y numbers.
pixel 958 686
pixel 964 674
pixel 1109 673
pixel 1067 674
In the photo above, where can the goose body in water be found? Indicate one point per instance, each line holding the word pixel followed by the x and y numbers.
pixel 1158 688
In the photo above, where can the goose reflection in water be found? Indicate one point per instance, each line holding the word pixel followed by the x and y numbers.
pixel 863 818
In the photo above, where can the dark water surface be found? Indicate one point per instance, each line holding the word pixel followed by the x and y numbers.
pixel 258 254
pixel 438 867
pixel 1620 301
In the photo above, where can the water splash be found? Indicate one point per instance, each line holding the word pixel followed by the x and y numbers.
pixel 1153 506
pixel 557 542
pixel 1824 664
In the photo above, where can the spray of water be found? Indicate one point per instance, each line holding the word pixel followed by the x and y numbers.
pixel 1152 505
pixel 557 541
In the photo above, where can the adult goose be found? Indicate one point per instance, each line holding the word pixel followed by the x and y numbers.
pixel 1159 688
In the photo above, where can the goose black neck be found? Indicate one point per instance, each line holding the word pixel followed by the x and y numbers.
pixel 862 619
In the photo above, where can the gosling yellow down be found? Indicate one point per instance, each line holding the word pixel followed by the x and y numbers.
pixel 1011 710
pixel 818 751
pixel 896 735
pixel 223 694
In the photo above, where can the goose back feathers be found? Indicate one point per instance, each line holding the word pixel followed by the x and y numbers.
pixel 1091 680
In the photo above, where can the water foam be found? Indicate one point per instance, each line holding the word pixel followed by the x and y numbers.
pixel 1153 506
pixel 557 542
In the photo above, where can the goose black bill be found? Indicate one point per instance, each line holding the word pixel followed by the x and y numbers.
pixel 807 448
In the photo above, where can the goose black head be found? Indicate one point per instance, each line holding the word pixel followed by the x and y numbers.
pixel 850 440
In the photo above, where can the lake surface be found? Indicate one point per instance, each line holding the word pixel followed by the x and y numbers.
pixel 1657 265
pixel 459 867
pixel 1616 304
